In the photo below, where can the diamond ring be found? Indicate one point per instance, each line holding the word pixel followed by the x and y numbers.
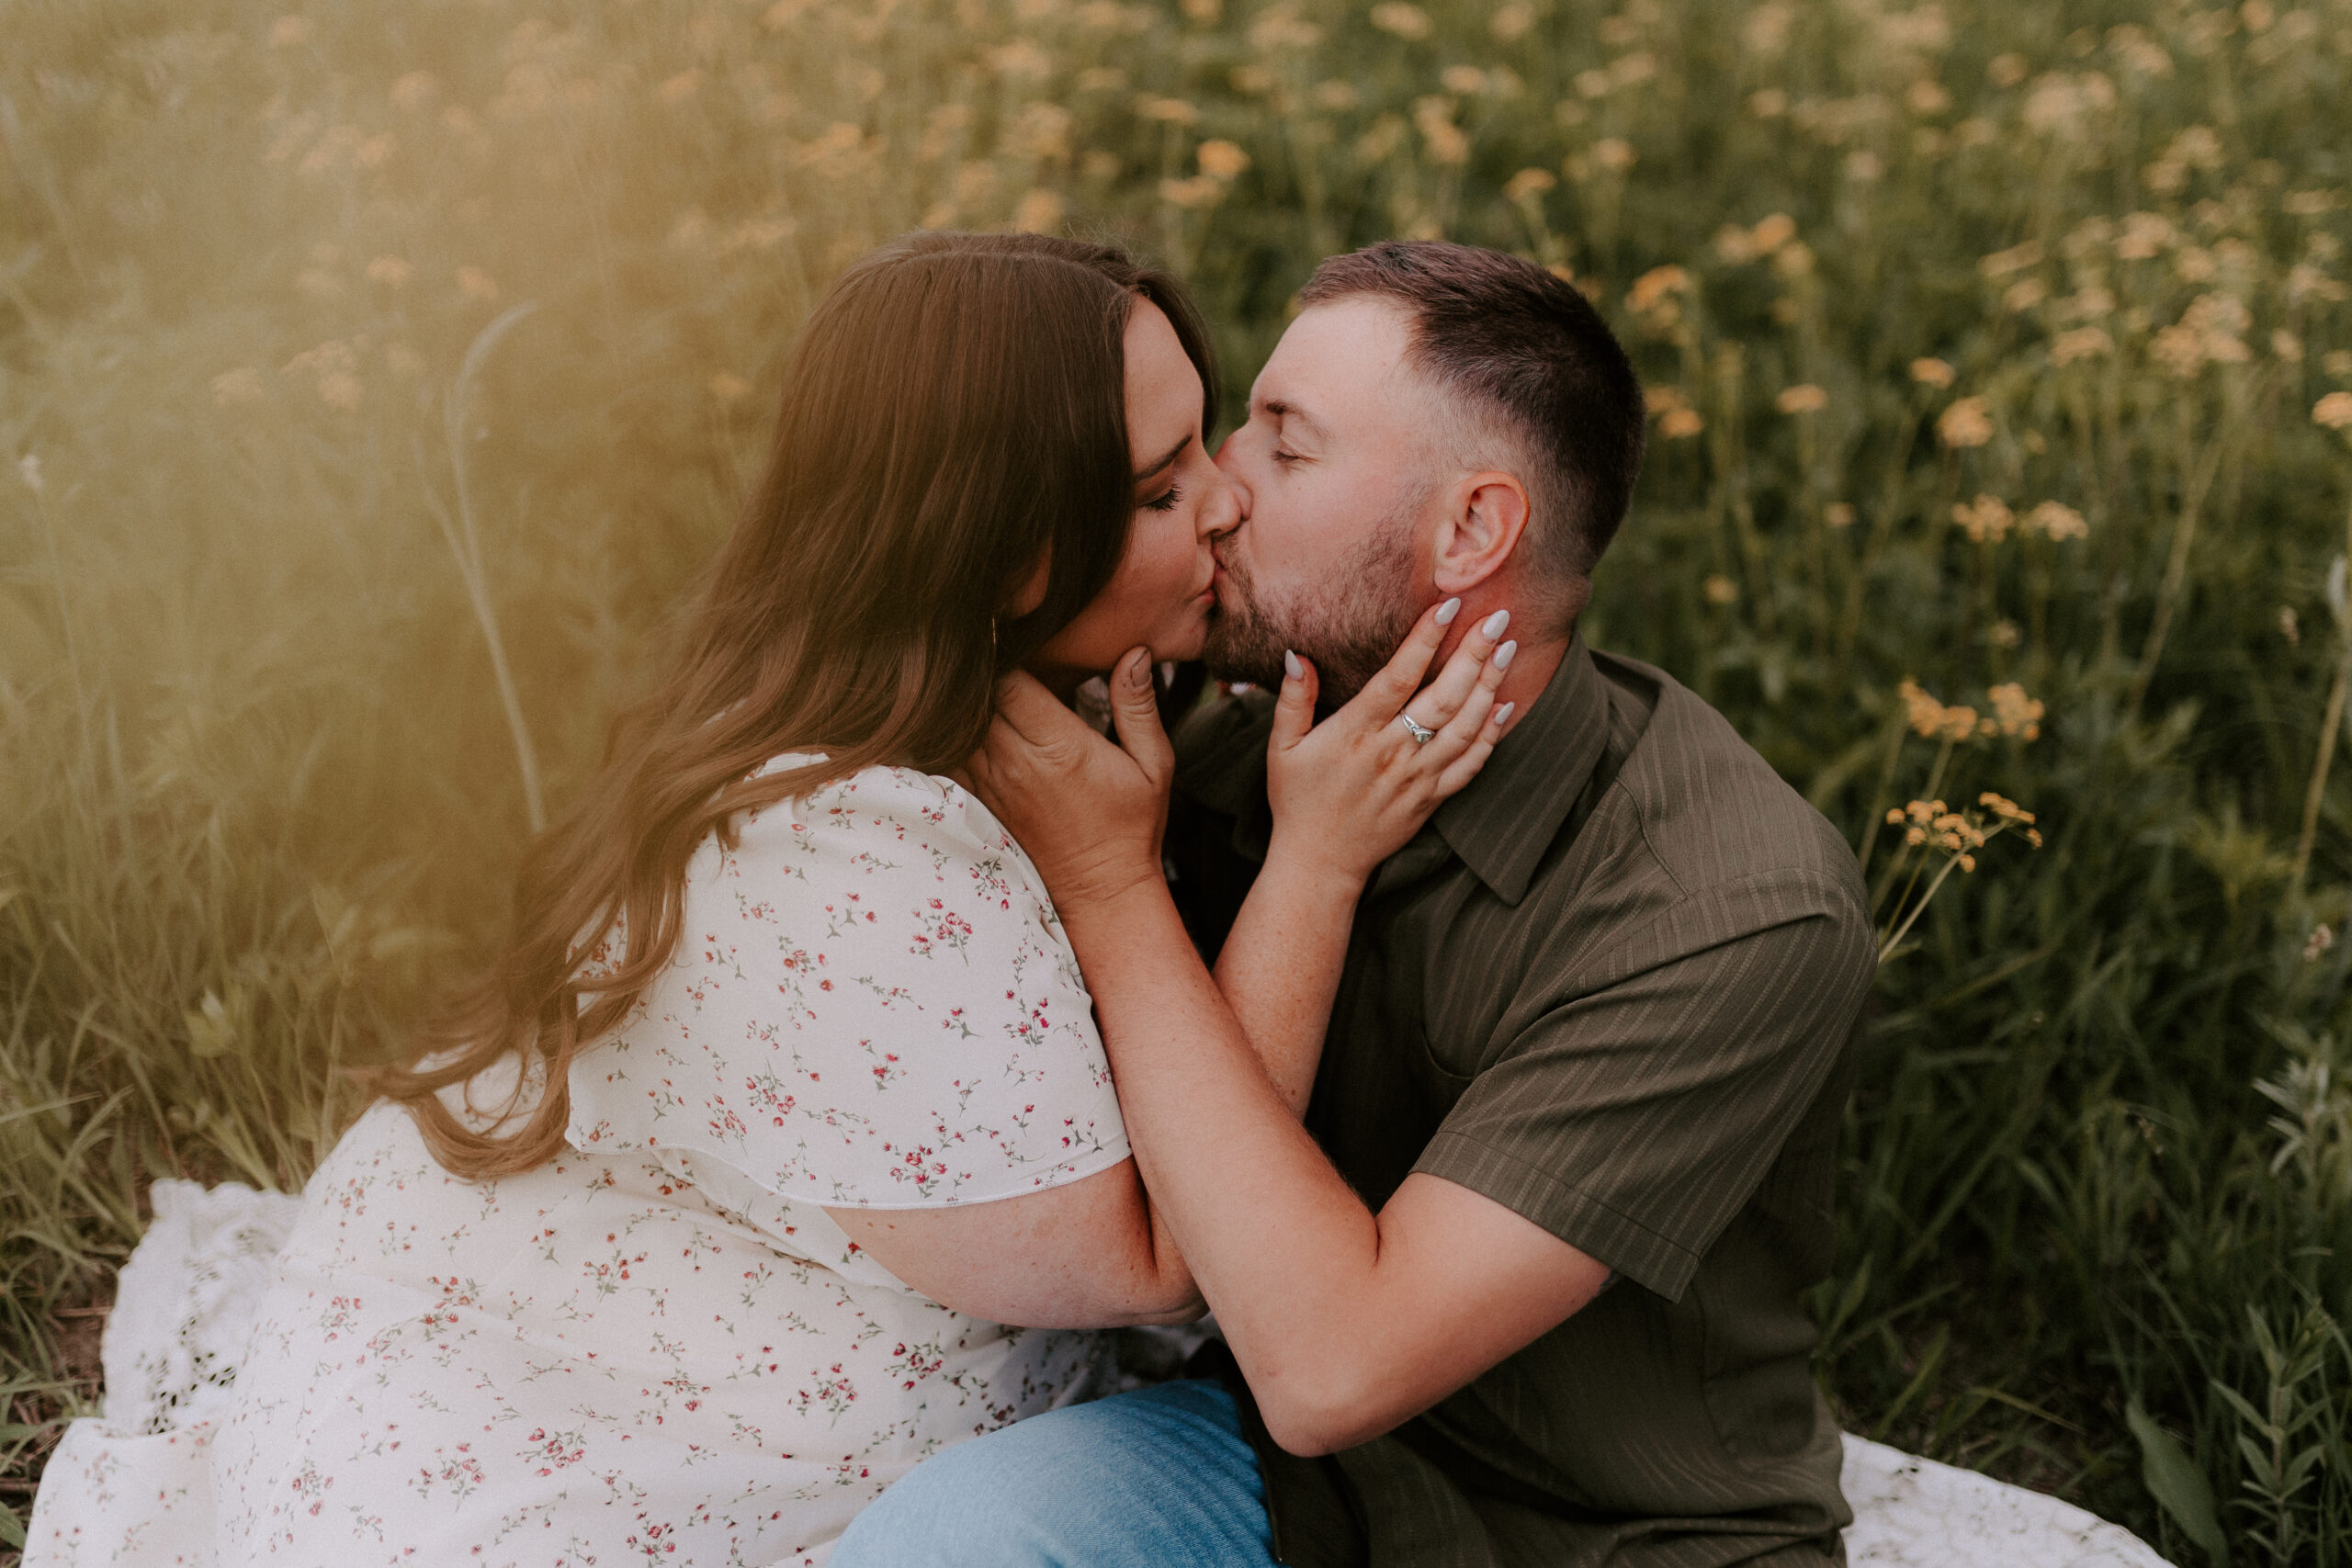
pixel 1421 733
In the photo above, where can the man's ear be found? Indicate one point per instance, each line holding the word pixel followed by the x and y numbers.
pixel 1484 518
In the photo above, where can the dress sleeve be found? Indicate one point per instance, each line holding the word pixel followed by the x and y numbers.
pixel 872 1004
pixel 1634 1122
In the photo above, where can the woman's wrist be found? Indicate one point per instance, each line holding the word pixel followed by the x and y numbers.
pixel 1321 869
pixel 1107 890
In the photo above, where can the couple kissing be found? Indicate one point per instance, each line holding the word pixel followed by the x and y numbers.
pixel 1455 1010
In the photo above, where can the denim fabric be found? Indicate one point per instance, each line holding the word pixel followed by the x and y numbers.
pixel 1158 1478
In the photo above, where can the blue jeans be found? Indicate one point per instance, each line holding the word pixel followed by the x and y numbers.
pixel 1158 1478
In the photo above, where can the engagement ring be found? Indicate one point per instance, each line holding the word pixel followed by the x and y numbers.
pixel 1423 734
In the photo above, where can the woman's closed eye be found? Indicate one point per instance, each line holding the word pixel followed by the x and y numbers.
pixel 1166 501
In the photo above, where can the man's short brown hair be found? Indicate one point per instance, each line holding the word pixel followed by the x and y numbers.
pixel 1535 359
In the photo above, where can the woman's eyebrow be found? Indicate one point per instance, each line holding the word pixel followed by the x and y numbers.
pixel 1173 453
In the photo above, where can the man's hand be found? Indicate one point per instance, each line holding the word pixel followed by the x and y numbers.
pixel 1089 814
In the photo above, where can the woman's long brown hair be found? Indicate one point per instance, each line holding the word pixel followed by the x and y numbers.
pixel 953 412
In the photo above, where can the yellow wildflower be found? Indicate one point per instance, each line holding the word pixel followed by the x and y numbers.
pixel 1446 144
pixel 1933 373
pixel 1680 423
pixel 2024 295
pixel 1197 192
pixel 1281 27
pixel 1039 212
pixel 1987 519
pixel 2006 809
pixel 1510 22
pixel 1222 160
pixel 1020 58
pixel 1529 183
pixel 1043 130
pixel 1968 423
pixel 1719 589
pixel 1653 288
pixel 2144 234
pixel 1932 720
pixel 1404 21
pixel 1803 398
pixel 2080 342
pixel 2334 412
pixel 2003 264
pixel 389 271
pixel 1169 111
pixel 476 284
pixel 2015 713
pixel 2056 521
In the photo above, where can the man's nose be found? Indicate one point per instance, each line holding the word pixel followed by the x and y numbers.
pixel 1224 511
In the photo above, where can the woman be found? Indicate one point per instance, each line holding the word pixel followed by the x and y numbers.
pixel 705 1218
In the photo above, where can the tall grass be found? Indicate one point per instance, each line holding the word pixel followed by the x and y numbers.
pixel 1999 359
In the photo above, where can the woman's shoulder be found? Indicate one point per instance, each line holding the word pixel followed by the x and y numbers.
pixel 886 819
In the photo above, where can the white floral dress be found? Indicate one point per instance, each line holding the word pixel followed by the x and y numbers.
pixel 658 1346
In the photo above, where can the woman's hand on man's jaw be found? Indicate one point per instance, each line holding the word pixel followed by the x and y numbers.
pixel 1348 793
pixel 1089 813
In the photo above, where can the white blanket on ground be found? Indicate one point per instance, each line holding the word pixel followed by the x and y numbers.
pixel 131 1488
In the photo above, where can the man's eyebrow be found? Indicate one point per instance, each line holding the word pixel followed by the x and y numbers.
pixel 1282 410
pixel 1173 453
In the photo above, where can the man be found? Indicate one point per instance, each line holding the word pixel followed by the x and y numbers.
pixel 1530 1293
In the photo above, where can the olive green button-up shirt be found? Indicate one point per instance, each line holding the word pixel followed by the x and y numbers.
pixel 1609 986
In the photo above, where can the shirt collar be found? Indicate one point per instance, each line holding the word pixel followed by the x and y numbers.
pixel 1502 824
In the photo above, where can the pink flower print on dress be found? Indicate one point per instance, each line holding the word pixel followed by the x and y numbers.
pixel 938 926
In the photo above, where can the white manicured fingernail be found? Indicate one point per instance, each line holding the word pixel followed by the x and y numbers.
pixel 1504 654
pixel 1496 623
pixel 1292 667
pixel 1502 713
pixel 1447 610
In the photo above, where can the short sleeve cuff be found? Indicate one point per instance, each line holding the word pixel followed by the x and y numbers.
pixel 1584 1221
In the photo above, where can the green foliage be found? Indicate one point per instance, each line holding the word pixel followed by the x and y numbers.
pixel 2175 1482
pixel 2000 372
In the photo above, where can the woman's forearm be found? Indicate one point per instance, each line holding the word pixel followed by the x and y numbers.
pixel 1279 968
pixel 1284 1250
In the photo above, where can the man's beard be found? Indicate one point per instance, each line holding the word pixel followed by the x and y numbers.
pixel 1350 627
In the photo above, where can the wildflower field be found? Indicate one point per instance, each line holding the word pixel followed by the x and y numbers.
pixel 374 376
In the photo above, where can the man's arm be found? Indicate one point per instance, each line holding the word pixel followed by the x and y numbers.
pixel 1344 1322
pixel 1637 1119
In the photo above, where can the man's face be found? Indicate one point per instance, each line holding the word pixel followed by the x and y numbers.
pixel 1335 462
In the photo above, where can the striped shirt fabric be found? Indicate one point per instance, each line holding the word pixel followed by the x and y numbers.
pixel 1611 985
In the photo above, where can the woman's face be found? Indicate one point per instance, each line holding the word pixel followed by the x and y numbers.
pixel 1163 592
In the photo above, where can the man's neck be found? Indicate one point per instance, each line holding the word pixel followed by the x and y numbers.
pixel 1532 668
pixel 1530 671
